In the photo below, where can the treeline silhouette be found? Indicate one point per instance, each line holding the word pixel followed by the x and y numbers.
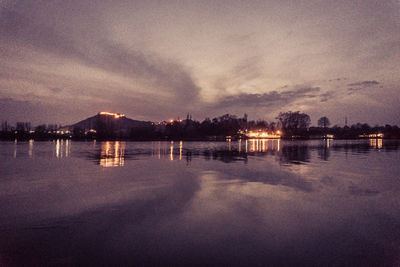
pixel 293 125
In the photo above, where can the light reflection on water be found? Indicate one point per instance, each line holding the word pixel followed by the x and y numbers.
pixel 263 145
pixel 113 153
pixel 247 202
pixel 30 148
pixel 377 143
pixel 62 148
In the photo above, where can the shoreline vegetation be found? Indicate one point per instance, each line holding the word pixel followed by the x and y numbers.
pixel 115 126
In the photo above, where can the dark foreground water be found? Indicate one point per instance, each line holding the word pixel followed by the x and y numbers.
pixel 329 203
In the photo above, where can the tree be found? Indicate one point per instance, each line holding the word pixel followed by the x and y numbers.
pixel 261 124
pixel 324 122
pixel 78 132
pixel 5 127
pixel 294 123
pixel 272 126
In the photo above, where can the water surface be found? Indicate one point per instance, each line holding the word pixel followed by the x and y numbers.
pixel 247 203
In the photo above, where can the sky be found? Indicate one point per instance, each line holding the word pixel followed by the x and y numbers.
pixel 64 61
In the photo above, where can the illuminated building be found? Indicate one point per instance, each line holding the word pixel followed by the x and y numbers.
pixel 264 134
pixel 376 135
pixel 115 115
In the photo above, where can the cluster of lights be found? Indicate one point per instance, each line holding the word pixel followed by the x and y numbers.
pixel 63 132
pixel 377 135
pixel 172 121
pixel 115 115
pixel 263 134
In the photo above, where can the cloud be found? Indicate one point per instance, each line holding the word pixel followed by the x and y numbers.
pixel 358 86
pixel 167 75
pixel 55 90
pixel 273 98
pixel 153 61
pixel 20 30
pixel 337 79
pixel 325 97
pixel 353 90
pixel 162 75
pixel 364 83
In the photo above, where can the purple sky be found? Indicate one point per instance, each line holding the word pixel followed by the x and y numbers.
pixel 63 61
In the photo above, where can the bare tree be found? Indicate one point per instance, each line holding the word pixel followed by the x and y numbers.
pixel 324 122
pixel 294 122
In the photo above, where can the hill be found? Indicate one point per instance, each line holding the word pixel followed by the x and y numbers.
pixel 106 124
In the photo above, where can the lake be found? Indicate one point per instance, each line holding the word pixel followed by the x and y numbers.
pixel 239 203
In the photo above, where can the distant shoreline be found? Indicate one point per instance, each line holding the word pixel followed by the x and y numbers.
pixel 183 139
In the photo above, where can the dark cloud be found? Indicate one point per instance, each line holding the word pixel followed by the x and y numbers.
pixel 165 74
pixel 55 90
pixel 302 92
pixel 20 30
pixel 359 86
pixel 273 98
pixel 162 74
pixel 353 90
pixel 337 79
pixel 325 97
pixel 364 83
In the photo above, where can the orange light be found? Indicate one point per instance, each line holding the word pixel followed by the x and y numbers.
pixel 112 154
pixel 377 135
pixel 116 115
pixel 262 134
